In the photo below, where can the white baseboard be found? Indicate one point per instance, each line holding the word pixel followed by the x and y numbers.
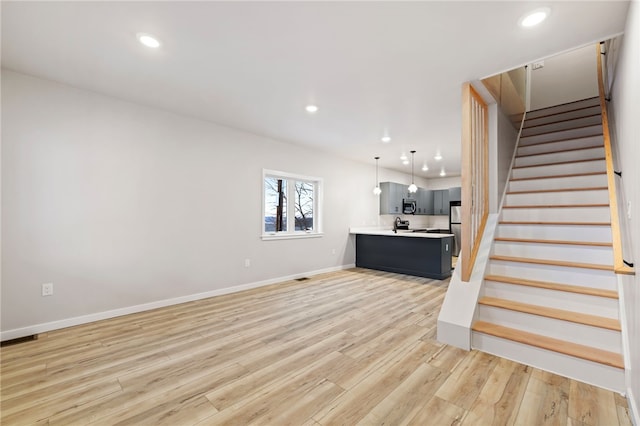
pixel 84 319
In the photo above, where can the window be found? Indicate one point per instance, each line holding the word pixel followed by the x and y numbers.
pixel 291 204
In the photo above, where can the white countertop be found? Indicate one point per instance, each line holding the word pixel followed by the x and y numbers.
pixel 401 233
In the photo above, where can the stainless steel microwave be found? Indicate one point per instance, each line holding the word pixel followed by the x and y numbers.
pixel 408 206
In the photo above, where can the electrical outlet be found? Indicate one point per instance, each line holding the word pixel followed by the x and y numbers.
pixel 247 263
pixel 47 289
pixel 538 65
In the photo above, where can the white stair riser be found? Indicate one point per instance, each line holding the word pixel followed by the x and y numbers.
pixel 563 125
pixel 551 214
pixel 575 302
pixel 561 135
pixel 556 157
pixel 605 280
pixel 585 371
pixel 585 112
pixel 592 141
pixel 559 169
pixel 599 234
pixel 559 109
pixel 599 196
pixel 589 181
pixel 560 252
pixel 587 335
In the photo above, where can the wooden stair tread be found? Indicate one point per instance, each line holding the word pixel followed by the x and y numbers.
pixel 559 151
pixel 556 345
pixel 561 130
pixel 539 191
pixel 525 127
pixel 558 163
pixel 568 103
pixel 524 222
pixel 563 242
pixel 590 291
pixel 553 206
pixel 558 176
pixel 560 314
pixel 553 262
pixel 558 140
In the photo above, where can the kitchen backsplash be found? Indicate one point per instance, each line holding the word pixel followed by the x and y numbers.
pixel 441 222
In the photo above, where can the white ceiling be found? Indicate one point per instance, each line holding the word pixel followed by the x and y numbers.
pixel 369 66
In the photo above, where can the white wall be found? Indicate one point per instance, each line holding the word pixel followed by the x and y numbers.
pixel 444 182
pixel 565 78
pixel 502 142
pixel 120 205
pixel 507 138
pixel 625 110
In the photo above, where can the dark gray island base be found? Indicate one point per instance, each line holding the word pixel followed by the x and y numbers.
pixel 421 257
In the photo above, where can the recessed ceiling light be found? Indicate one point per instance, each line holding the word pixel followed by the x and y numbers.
pixel 442 173
pixel 425 168
pixel 386 139
pixel 437 157
pixel 148 40
pixel 405 162
pixel 311 108
pixel 534 17
pixel 403 157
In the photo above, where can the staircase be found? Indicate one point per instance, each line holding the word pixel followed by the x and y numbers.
pixel 549 297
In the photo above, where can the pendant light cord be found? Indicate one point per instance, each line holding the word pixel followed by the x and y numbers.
pixel 412 155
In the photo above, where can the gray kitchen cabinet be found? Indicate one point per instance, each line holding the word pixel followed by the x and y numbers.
pixel 424 201
pixel 455 194
pixel 441 202
pixel 391 197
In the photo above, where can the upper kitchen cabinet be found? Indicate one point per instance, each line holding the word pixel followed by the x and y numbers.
pixel 424 201
pixel 391 197
pixel 441 202
pixel 455 194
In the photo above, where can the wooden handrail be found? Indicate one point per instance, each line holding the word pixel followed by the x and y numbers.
pixel 475 176
pixel 618 264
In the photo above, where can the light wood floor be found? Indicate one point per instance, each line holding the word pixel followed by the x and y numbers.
pixel 352 347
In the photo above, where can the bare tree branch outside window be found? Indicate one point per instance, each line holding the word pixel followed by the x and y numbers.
pixel 304 206
pixel 275 209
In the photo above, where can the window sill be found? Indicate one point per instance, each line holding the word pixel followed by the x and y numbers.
pixel 298 235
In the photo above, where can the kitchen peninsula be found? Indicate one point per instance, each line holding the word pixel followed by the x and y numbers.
pixel 421 254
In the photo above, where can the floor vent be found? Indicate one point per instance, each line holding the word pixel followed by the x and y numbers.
pixel 19 340
pixel 302 279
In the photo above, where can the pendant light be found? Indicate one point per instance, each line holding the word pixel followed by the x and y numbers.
pixel 412 188
pixel 377 189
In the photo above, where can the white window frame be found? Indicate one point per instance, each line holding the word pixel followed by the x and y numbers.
pixel 291 233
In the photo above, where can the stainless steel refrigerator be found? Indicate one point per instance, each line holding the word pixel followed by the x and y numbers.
pixel 455 225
